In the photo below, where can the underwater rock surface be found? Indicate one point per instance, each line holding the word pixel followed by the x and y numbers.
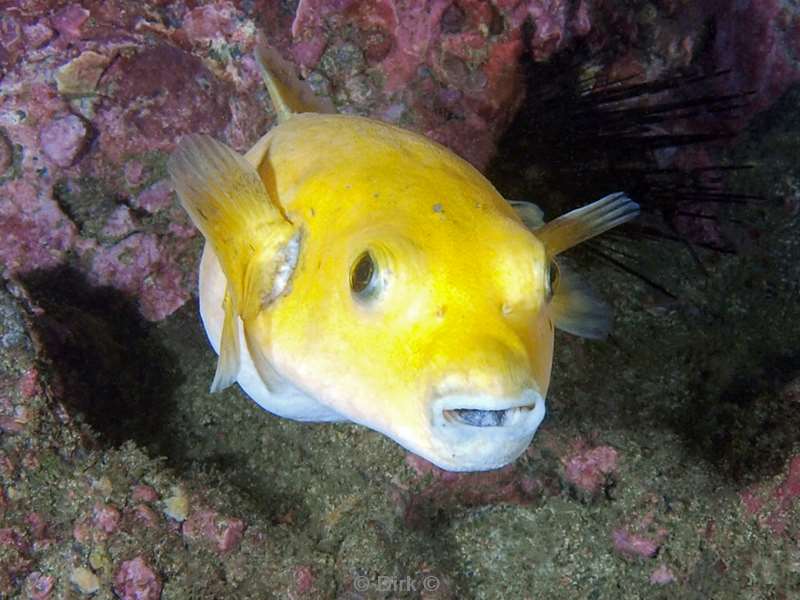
pixel 669 465
pixel 95 95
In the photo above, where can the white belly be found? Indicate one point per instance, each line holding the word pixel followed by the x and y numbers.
pixel 285 400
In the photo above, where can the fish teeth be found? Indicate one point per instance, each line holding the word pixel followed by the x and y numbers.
pixel 480 417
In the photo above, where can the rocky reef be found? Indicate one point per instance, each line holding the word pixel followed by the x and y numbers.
pixel 669 465
pixel 97 94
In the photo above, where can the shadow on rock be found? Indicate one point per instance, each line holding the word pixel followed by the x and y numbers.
pixel 752 426
pixel 109 366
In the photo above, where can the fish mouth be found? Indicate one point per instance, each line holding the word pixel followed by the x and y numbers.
pixel 475 431
pixel 482 417
pixel 484 410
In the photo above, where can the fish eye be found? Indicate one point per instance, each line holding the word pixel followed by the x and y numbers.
pixel 551 280
pixel 364 277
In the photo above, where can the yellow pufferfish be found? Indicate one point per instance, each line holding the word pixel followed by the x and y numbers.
pixel 357 271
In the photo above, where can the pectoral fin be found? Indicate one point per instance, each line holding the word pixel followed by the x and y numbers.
pixel 229 348
pixel 574 308
pixel 228 202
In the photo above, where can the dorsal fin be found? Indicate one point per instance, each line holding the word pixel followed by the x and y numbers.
pixel 587 222
pixel 573 307
pixel 288 93
pixel 531 215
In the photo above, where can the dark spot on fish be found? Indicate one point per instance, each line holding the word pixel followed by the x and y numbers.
pixel 438 208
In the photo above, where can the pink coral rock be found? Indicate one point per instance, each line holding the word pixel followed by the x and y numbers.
pixel 447 488
pixel 119 223
pixel 34 233
pixel 552 26
pixel 145 515
pixel 106 517
pixel 37 526
pixel 38 33
pixel 15 558
pixel 632 544
pixel 82 531
pixel 588 468
pixel 758 42
pixel 69 21
pixel 156 197
pixel 39 586
pixel 303 579
pixel 10 34
pixel 29 384
pixel 662 575
pixel 224 533
pixel 435 58
pixel 136 580
pixel 134 172
pixel 126 264
pixel 10 424
pixel 143 493
pixel 165 290
pixel 150 106
pixel 209 21
pixel 63 139
pixel 773 504
pixel 144 266
pixel 10 537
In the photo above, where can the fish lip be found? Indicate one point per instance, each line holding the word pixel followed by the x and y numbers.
pixel 460 445
pixel 448 408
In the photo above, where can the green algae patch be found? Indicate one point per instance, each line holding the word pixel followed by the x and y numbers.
pixel 10 158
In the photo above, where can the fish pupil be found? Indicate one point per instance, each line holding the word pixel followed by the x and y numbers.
pixel 362 275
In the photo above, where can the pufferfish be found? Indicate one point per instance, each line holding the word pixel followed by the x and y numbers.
pixel 357 271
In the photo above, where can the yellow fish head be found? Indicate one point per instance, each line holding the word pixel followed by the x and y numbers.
pixel 408 324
